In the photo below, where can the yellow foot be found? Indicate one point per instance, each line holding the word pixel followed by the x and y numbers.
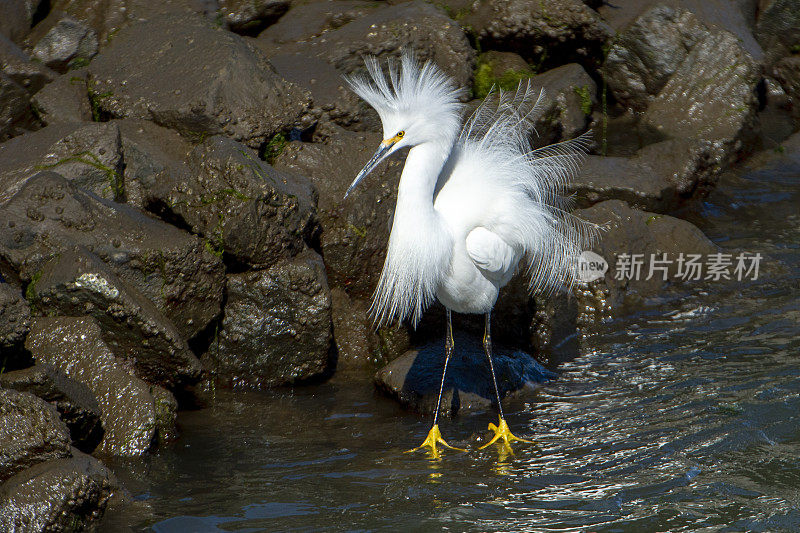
pixel 434 438
pixel 501 432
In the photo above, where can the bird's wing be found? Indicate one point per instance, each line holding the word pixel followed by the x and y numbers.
pixel 491 253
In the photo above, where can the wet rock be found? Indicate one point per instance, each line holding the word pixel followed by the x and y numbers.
pixel 631 231
pixel 18 66
pixel 65 100
pixel 710 99
pixel 171 268
pixel 549 33
pixel 414 378
pixel 67 494
pixel 16 17
pixel 331 98
pixel 16 115
pixel 354 231
pixel 787 73
pixel 30 433
pixel 277 325
pixel 569 97
pixel 342 35
pixel 238 203
pixel 692 166
pixel 63 42
pixel 75 403
pixel 14 325
pixel 647 53
pixel 154 158
pixel 249 17
pixel 632 180
pixel 165 79
pixel 778 28
pixel 108 18
pixel 90 154
pixel 130 410
pixel 77 283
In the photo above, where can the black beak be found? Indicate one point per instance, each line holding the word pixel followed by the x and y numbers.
pixel 380 154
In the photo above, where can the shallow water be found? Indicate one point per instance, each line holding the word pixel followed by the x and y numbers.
pixel 682 417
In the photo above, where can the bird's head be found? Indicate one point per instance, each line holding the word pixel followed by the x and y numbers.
pixel 417 104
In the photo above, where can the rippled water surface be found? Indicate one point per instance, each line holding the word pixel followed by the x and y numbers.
pixel 683 417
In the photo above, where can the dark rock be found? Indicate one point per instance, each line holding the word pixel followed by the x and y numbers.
pixel 67 494
pixel 632 180
pixel 414 378
pixel 692 166
pixel 779 113
pixel 90 154
pixel 238 203
pixel 76 283
pixel 131 411
pixel 277 325
pixel 16 17
pixel 357 344
pixel 569 97
pixel 154 159
pixel 630 231
pixel 354 231
pixel 710 99
pixel 76 405
pixel 14 325
pixel 647 53
pixel 65 100
pixel 30 433
pixel 778 28
pixel 787 72
pixel 330 96
pixel 170 267
pixel 249 17
pixel 16 115
pixel 108 18
pixel 544 33
pixel 734 16
pixel 16 64
pixel 63 42
pixel 159 70
pixel 342 35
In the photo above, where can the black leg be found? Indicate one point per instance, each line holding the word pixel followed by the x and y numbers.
pixel 487 347
pixel 448 351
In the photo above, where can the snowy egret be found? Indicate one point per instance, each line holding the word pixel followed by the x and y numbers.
pixel 473 201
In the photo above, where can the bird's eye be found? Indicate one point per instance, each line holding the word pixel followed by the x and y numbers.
pixel 400 134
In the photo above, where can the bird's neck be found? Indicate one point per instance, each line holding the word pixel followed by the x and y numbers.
pixel 420 174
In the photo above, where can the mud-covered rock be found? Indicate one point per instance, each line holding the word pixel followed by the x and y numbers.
pixel 549 33
pixel 277 325
pixel 61 42
pixel 173 269
pixel 710 99
pixel 68 494
pixel 413 379
pixel 159 70
pixel 342 35
pixel 30 433
pixel 76 405
pixel 647 53
pixel 90 154
pixel 77 283
pixel 249 17
pixel 569 97
pixel 65 100
pixel 155 157
pixel 778 28
pixel 14 325
pixel 133 415
pixel 648 236
pixel 354 231
pixel 238 203
pixel 787 72
pixel 632 180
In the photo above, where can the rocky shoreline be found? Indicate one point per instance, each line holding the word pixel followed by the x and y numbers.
pixel 171 184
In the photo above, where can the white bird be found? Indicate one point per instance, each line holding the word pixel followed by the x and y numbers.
pixel 473 201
